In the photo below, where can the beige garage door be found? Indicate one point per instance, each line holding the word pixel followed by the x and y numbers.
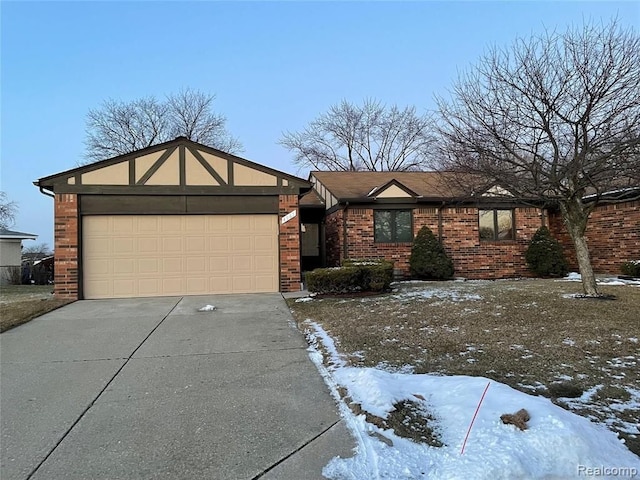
pixel 156 255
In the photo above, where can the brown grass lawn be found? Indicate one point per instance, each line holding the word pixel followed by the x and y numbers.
pixel 525 333
pixel 21 303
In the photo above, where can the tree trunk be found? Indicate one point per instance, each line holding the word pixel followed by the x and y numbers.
pixel 575 217
pixel 584 264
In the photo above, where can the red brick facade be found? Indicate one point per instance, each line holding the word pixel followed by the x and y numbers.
pixel 460 236
pixel 289 244
pixel 490 260
pixel 66 245
pixel 613 236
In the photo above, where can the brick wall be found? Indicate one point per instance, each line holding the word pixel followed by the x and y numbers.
pixel 289 244
pixel 460 236
pixel 334 238
pixel 487 260
pixel 613 236
pixel 66 245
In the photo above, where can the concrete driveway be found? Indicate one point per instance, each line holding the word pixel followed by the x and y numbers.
pixel 152 388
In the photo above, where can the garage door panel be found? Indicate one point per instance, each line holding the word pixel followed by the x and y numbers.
pixel 171 223
pixel 242 265
pixel 122 224
pixel 265 263
pixel 172 266
pixel 171 244
pixel 149 287
pixel 155 255
pixel 148 224
pixel 196 264
pixel 123 287
pixel 197 285
pixel 99 245
pixel 196 244
pixel 219 265
pixel 97 267
pixel 148 245
pixel 196 223
pixel 219 244
pixel 148 266
pixel 265 283
pixel 122 266
pixel 173 286
pixel 242 244
pixel 220 284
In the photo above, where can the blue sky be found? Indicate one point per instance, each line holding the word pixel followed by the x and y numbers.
pixel 273 66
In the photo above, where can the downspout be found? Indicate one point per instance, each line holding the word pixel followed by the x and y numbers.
pixel 344 231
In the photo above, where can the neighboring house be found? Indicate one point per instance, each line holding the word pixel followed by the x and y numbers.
pixel 37 268
pixel 11 255
pixel 181 218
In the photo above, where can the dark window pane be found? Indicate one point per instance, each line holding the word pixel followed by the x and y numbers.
pixel 403 226
pixel 505 224
pixel 382 226
pixel 487 229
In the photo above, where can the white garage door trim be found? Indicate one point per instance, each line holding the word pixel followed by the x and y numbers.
pixel 165 255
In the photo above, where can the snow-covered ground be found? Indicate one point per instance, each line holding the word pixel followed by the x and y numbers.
pixel 557 444
pixel 576 277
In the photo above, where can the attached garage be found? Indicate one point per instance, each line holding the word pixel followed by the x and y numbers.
pixel 175 219
pixel 160 255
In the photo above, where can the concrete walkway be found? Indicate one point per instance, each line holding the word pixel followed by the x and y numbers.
pixel 154 389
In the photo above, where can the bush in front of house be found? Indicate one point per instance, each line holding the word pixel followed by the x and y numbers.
pixel 353 276
pixel 428 258
pixel 377 274
pixel 631 268
pixel 545 256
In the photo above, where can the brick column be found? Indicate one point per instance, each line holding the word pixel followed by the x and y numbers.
pixel 66 246
pixel 289 244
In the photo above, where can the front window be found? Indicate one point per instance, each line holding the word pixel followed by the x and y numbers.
pixel 392 226
pixel 496 225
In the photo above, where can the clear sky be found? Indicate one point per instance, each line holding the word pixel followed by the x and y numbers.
pixel 273 66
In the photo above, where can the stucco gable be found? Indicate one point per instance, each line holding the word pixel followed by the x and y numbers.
pixel 181 164
pixel 392 189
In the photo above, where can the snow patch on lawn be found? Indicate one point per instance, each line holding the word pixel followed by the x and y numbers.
pixel 303 299
pixel 428 293
pixel 576 277
pixel 556 444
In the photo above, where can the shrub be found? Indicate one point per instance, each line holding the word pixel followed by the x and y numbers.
pixel 428 258
pixel 333 280
pixel 13 275
pixel 377 274
pixel 544 255
pixel 631 268
pixel 353 276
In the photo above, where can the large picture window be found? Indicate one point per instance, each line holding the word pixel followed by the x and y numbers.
pixel 496 225
pixel 392 226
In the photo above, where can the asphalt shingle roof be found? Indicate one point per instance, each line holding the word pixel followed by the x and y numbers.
pixel 345 185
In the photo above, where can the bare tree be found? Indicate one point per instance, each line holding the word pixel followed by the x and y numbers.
pixel 38 251
pixel 8 211
pixel 190 115
pixel 119 127
pixel 362 137
pixel 556 118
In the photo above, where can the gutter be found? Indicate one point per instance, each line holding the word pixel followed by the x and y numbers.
pixel 41 188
